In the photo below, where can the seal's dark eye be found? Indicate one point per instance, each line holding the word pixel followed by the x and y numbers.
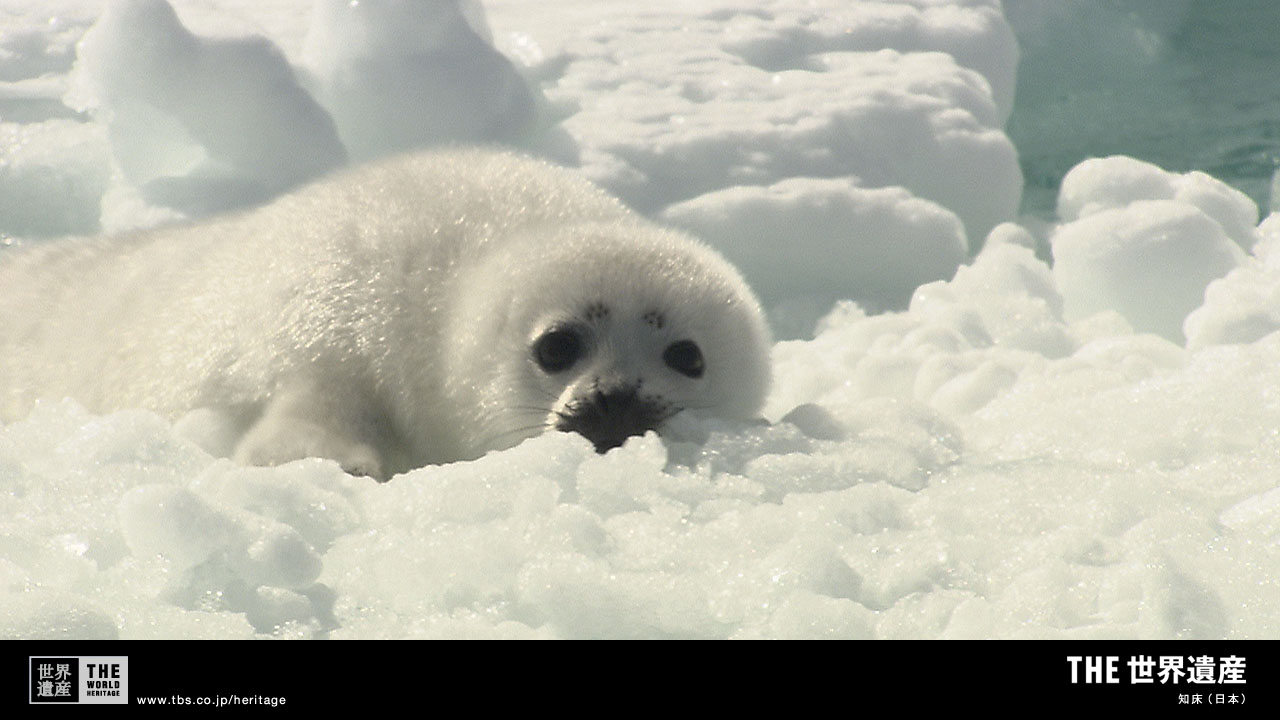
pixel 685 358
pixel 557 350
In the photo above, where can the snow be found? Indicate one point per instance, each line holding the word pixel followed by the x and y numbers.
pixel 1244 305
pixel 871 245
pixel 981 425
pixel 402 74
pixel 1113 182
pixel 199 124
pixel 1149 261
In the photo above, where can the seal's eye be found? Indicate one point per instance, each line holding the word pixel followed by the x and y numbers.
pixel 685 358
pixel 557 350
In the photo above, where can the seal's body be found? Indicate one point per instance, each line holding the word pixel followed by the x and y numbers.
pixel 420 310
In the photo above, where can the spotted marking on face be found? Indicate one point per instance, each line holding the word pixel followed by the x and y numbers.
pixel 597 311
pixel 655 319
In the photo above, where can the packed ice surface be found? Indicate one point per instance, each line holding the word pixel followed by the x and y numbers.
pixel 984 444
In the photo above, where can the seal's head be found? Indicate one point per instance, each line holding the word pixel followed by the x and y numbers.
pixel 610 329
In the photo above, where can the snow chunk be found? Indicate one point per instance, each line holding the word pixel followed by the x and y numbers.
pixel 1010 290
pixel 402 74
pixel 200 124
pixel 52 176
pixel 828 240
pixel 39 614
pixel 1149 260
pixel 1244 306
pixel 1114 182
pixel 912 120
pixel 174 522
pixel 40 35
pixel 974 33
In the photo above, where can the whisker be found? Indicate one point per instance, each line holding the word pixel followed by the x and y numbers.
pixel 499 437
pixel 669 415
pixel 533 408
pixel 696 407
pixel 549 395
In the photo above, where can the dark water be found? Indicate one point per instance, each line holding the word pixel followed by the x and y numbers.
pixel 1186 86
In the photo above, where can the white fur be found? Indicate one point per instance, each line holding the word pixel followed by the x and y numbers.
pixel 382 317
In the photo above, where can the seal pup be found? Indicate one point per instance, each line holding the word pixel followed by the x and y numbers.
pixel 424 309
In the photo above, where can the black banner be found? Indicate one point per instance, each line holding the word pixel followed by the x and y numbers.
pixel 311 676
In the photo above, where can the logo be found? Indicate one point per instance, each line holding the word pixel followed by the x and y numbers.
pixel 91 680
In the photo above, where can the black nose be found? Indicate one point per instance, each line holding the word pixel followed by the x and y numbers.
pixel 607 417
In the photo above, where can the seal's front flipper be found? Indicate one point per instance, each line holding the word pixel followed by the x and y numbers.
pixel 306 418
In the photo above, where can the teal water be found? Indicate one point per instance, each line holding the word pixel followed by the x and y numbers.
pixel 1187 86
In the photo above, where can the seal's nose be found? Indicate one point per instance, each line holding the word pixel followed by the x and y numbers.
pixel 608 416
pixel 618 398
